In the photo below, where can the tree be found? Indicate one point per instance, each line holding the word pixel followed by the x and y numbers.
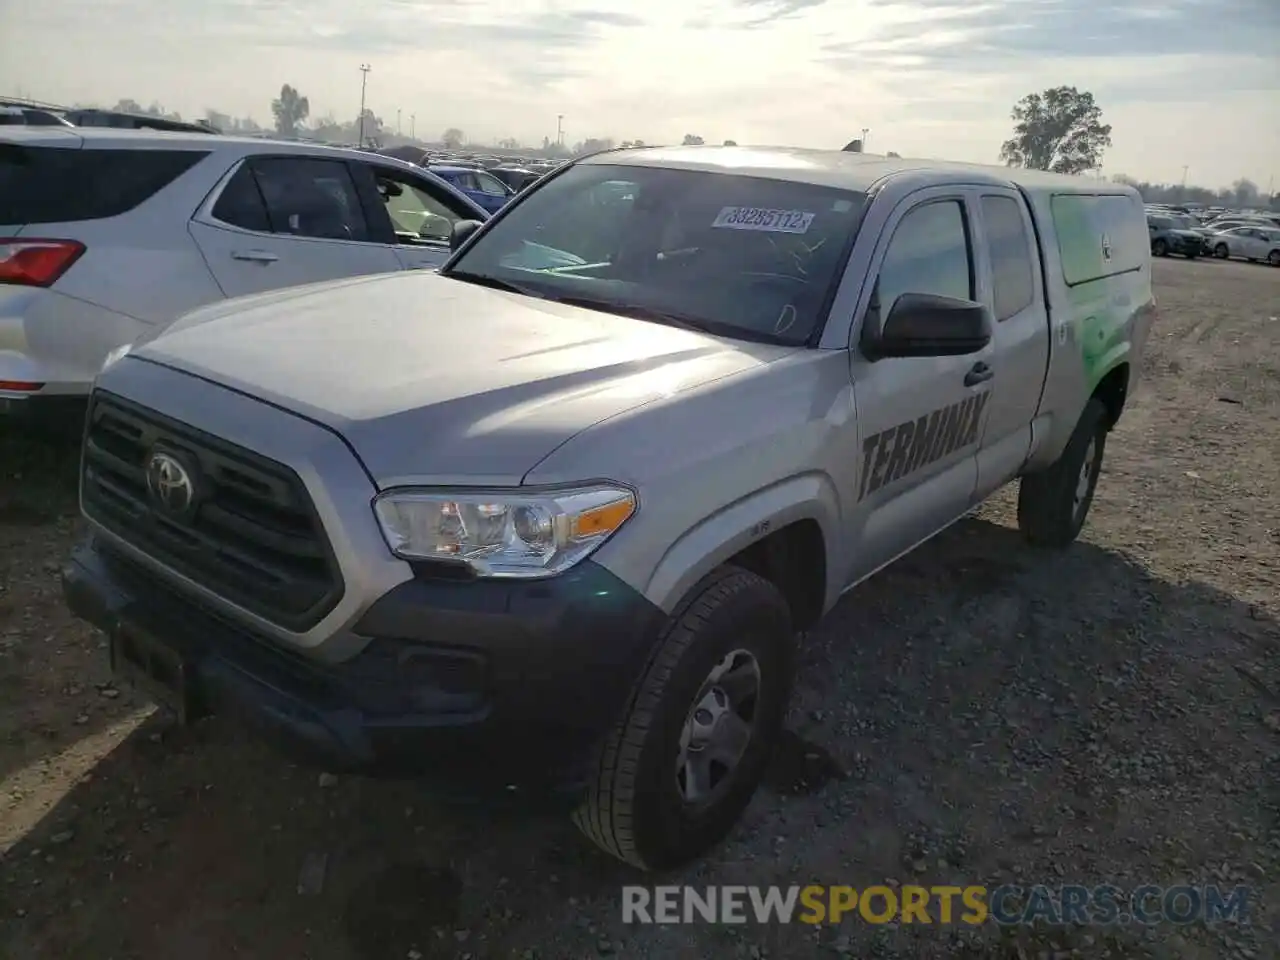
pixel 1059 130
pixel 509 143
pixel 693 141
pixel 289 109
pixel 453 138
pixel 1246 192
pixel 127 105
pixel 894 155
pixel 731 143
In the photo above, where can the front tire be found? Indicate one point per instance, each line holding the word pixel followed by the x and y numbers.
pixel 1054 503
pixel 1221 251
pixel 675 774
pixel 1160 248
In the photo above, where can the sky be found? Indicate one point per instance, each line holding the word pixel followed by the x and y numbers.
pixel 1184 83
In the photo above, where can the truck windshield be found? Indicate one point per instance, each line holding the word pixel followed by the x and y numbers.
pixel 737 256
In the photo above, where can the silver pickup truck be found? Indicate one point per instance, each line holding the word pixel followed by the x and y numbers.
pixel 552 519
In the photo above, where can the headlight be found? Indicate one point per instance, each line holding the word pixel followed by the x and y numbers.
pixel 503 533
pixel 115 356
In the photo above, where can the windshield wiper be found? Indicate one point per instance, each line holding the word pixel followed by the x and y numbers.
pixel 636 311
pixel 483 280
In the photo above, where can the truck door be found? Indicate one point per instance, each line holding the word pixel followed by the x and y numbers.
pixel 1010 283
pixel 920 419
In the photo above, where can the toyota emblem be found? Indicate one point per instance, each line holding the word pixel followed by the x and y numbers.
pixel 170 483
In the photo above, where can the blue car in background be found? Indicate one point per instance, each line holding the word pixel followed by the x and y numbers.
pixel 482 187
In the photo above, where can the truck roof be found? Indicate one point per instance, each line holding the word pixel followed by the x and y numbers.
pixel 845 170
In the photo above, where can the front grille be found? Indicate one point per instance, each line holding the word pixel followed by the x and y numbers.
pixel 251 535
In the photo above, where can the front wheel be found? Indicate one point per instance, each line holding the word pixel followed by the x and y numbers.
pixel 1053 504
pixel 1160 248
pixel 693 743
pixel 1221 251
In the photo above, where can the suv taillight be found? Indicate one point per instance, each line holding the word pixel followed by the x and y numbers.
pixel 36 263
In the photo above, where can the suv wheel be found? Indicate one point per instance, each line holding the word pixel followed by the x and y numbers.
pixel 1221 251
pixel 1273 258
pixel 1160 248
pixel 692 745
pixel 1053 504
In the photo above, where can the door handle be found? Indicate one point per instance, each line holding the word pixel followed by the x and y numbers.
pixel 257 256
pixel 978 373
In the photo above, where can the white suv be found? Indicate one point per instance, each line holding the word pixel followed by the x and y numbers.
pixel 107 234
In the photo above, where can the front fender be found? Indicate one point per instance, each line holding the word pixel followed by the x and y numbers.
pixel 718 537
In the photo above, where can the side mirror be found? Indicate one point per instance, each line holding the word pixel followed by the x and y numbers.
pixel 924 325
pixel 462 231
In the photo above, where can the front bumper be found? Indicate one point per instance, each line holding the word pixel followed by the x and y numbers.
pixel 479 685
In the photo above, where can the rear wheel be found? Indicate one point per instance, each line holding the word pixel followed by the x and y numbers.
pixel 693 743
pixel 1053 504
pixel 1160 248
pixel 1221 251
pixel 1273 258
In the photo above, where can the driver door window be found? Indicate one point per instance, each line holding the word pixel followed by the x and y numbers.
pixel 929 253
pixel 491 185
pixel 417 215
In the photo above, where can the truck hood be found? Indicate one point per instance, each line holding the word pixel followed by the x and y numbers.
pixel 433 380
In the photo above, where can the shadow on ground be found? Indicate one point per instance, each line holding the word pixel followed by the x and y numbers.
pixel 199 843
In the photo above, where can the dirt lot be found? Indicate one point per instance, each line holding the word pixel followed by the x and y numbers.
pixel 1108 715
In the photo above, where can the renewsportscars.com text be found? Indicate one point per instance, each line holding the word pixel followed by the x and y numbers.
pixel 1005 905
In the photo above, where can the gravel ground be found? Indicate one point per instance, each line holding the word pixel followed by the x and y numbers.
pixel 978 713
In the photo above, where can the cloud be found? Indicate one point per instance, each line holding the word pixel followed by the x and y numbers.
pixel 1176 78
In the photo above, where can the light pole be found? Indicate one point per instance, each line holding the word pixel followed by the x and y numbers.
pixel 413 119
pixel 560 130
pixel 397 121
pixel 364 80
pixel 865 131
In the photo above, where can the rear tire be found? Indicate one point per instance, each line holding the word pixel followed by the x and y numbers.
pixel 1054 503
pixel 1273 258
pixel 1160 248
pixel 638 807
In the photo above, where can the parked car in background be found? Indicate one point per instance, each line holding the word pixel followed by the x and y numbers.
pixel 478 184
pixel 1247 243
pixel 1168 235
pixel 516 178
pixel 107 234
pixel 92 117
pixel 20 115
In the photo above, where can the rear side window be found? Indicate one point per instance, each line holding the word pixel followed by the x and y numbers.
pixel 241 203
pixel 1099 236
pixel 1010 247
pixel 310 197
pixel 57 185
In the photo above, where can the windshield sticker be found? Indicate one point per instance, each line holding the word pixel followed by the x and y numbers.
pixel 759 218
pixel 842 206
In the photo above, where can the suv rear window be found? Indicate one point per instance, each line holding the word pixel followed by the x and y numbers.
pixel 57 185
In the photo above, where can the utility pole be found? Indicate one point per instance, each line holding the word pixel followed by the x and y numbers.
pixel 1184 176
pixel 560 130
pixel 364 81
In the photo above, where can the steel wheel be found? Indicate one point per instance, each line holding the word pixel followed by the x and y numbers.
pixel 718 728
